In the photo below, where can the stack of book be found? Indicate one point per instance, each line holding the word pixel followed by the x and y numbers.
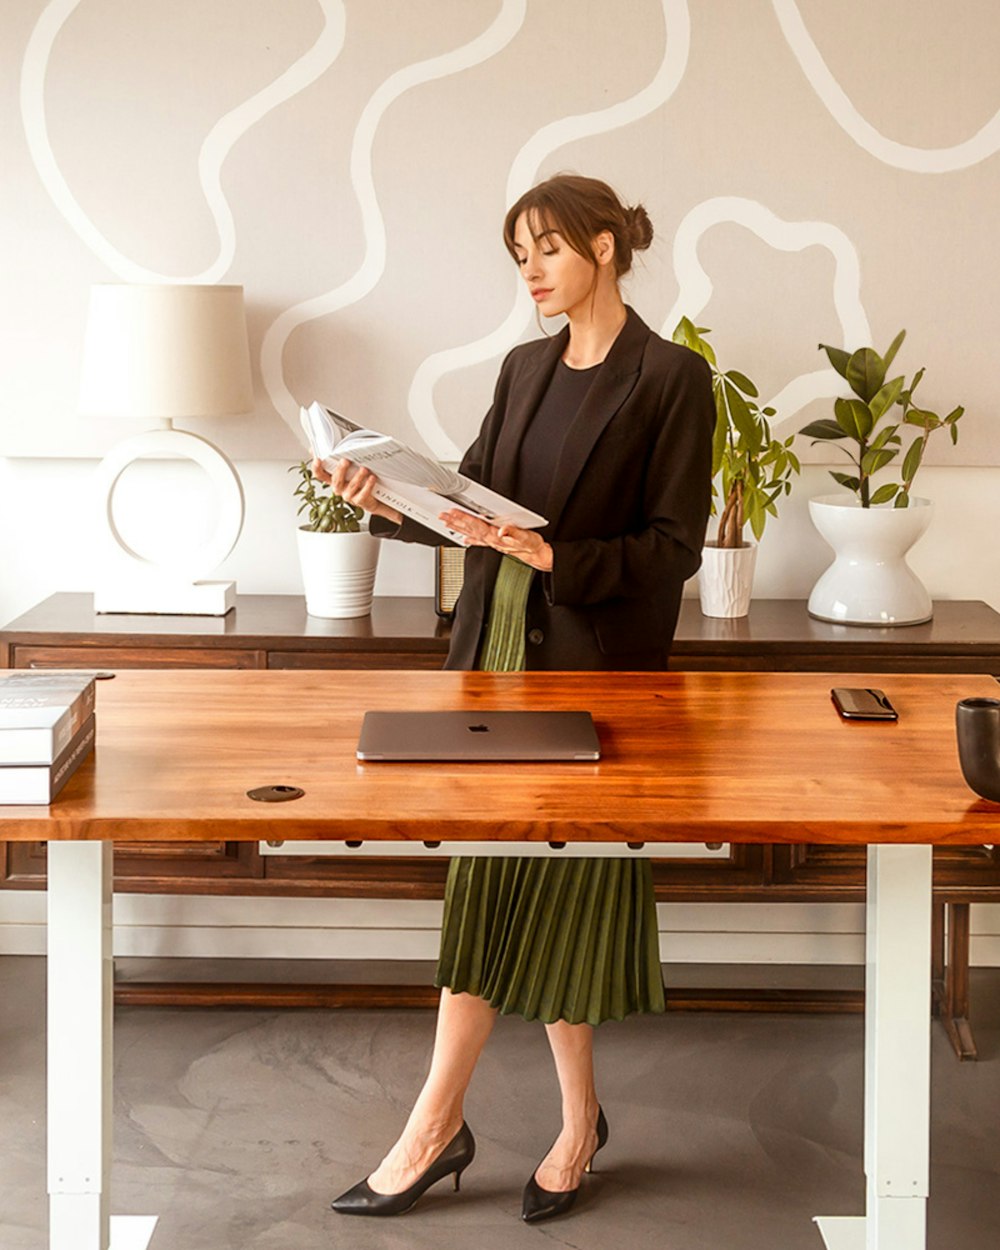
pixel 47 730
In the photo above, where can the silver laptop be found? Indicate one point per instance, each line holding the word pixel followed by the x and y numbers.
pixel 476 735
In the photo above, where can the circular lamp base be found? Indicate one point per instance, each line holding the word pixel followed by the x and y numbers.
pixel 130 582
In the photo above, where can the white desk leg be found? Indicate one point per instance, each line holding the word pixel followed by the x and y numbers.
pixel 79 1031
pixel 79 1044
pixel 897 1056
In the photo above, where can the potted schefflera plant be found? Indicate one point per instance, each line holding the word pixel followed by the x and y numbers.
pixel 753 471
pixel 873 524
pixel 336 551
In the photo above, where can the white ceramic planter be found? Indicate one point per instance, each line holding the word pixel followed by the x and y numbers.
pixel 338 572
pixel 869 582
pixel 725 580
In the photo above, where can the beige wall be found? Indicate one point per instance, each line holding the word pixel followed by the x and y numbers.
pixel 815 171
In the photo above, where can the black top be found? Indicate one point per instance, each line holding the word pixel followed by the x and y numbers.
pixel 628 503
pixel 543 440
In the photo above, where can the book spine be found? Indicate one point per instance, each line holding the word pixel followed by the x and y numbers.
pixel 400 502
pixel 25 710
pixel 44 744
pixel 40 784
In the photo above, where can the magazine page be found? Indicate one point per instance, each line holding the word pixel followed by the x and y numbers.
pixel 413 483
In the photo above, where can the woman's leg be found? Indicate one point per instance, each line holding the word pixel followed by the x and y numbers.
pixel 573 1051
pixel 464 1023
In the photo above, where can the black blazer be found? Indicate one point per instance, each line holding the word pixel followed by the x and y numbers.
pixel 627 508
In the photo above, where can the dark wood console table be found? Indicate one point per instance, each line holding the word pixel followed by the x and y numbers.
pixel 274 631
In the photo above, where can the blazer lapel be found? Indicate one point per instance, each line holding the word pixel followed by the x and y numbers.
pixel 529 392
pixel 612 386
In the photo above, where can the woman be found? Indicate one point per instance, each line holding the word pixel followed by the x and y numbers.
pixel 605 429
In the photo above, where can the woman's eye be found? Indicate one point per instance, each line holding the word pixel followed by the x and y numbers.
pixel 552 252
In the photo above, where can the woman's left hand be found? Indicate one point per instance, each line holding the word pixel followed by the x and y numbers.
pixel 525 545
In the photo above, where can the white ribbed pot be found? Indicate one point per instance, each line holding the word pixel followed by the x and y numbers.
pixel 725 580
pixel 869 582
pixel 338 572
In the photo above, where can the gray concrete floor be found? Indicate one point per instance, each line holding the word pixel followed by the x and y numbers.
pixel 728 1132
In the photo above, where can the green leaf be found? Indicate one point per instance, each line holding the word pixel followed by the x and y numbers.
pixel 743 382
pixel 853 418
pixel 953 430
pixel 742 418
pixel 885 397
pixel 886 435
pixel 770 412
pixel 720 434
pixel 926 419
pixel 916 380
pixel 911 462
pixel 838 358
pixel 902 500
pixel 954 415
pixel 822 429
pixel 872 461
pixel 865 373
pixel 852 483
pixel 894 347
pixel 689 335
pixel 884 493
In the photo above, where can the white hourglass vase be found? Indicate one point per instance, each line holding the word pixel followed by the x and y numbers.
pixel 869 582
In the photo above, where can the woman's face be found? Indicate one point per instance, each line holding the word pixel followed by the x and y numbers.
pixel 560 279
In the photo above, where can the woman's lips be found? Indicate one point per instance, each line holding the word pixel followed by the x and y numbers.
pixel 541 293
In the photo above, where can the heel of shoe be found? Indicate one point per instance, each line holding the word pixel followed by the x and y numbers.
pixel 602 1138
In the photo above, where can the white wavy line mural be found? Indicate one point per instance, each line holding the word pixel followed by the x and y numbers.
pixel 523 171
pixel 979 147
pixel 216 147
pixel 498 34
pixel 787 236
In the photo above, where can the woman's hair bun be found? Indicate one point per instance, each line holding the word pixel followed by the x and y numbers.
pixel 640 228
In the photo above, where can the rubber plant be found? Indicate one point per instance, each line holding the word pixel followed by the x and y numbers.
pixel 873 418
pixel 755 468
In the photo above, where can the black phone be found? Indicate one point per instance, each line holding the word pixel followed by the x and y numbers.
pixel 862 703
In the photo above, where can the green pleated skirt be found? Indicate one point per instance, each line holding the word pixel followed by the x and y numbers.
pixel 548 939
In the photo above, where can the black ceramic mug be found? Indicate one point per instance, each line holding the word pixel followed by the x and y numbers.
pixel 977 722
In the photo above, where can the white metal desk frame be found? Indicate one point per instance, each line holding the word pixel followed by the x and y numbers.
pixel 897 1054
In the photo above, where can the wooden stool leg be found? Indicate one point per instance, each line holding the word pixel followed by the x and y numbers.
pixel 954 1000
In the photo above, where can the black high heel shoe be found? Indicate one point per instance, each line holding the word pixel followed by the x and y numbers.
pixel 453 1160
pixel 542 1204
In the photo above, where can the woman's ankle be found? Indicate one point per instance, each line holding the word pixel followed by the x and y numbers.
pixel 581 1117
pixel 436 1123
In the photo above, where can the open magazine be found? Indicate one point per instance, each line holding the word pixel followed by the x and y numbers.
pixel 406 480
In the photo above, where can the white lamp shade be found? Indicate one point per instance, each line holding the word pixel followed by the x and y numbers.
pixel 160 352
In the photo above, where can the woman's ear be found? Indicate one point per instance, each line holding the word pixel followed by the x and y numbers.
pixel 604 248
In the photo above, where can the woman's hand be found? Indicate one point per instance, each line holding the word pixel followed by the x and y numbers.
pixel 527 546
pixel 355 485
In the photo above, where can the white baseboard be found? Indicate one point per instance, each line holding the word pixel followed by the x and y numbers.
pixel 185 926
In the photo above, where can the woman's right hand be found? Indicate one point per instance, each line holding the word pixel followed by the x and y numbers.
pixel 355 484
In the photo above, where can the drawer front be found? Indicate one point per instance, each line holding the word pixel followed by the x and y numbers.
pixel 158 867
pixel 432 660
pixel 135 657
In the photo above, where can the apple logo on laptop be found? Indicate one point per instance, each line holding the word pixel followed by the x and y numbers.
pixel 479 729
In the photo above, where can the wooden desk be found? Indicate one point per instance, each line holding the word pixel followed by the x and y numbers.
pixel 749 757
pixel 274 631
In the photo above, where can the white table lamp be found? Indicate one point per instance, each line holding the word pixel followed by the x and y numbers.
pixel 159 353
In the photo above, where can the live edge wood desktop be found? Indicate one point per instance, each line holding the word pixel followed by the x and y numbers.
pixel 274 631
pixel 177 752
